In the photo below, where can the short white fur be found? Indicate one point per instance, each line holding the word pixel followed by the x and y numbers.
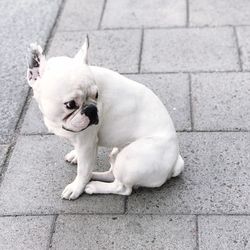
pixel 132 120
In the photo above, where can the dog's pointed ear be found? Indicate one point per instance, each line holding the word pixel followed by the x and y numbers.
pixel 82 54
pixel 36 63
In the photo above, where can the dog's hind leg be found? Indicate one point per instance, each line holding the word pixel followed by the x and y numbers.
pixel 107 176
pixel 115 187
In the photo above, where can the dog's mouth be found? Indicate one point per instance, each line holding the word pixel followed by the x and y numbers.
pixel 80 119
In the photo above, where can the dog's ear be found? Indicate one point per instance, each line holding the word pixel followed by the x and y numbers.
pixel 82 54
pixel 93 92
pixel 36 63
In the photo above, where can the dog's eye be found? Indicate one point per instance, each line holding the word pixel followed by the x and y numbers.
pixel 71 105
pixel 96 95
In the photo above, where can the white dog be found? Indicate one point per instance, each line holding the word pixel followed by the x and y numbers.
pixel 93 106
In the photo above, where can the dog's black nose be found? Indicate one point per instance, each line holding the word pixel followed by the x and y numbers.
pixel 91 112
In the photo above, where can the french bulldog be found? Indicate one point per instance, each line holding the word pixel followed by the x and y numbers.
pixel 93 106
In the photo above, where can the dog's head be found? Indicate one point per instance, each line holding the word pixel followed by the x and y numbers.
pixel 65 89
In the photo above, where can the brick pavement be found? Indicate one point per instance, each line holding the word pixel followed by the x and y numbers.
pixel 200 48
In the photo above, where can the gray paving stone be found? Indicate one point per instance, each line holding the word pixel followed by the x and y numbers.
pixel 36 176
pixel 33 122
pixel 174 50
pixel 23 233
pixel 222 12
pixel 244 43
pixel 20 24
pixel 114 49
pixel 224 232
pixel 3 151
pixel 125 232
pixel 147 13
pixel 215 180
pixel 173 90
pixel 221 101
pixel 80 15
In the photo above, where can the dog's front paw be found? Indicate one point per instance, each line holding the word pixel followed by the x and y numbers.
pixel 71 157
pixel 72 191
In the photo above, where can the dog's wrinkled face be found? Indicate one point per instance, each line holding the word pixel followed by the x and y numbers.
pixel 64 89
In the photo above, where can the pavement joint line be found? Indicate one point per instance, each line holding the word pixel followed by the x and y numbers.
pixel 190 214
pixel 187 13
pixel 126 205
pixel 191 101
pixel 141 50
pixel 52 231
pixel 193 72
pixel 214 131
pixel 238 48
pixel 6 161
pixel 54 26
pixel 178 131
pixel 37 134
pixel 155 28
pixel 102 14
pixel 125 214
pixel 197 232
pixel 96 30
pixel 60 213
pixel 186 72
pixel 23 111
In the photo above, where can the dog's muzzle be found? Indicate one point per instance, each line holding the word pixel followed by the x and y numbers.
pixel 91 112
pixel 88 111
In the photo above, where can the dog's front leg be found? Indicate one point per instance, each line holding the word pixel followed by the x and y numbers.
pixel 86 162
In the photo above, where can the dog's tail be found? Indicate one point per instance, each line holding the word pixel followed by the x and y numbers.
pixel 179 166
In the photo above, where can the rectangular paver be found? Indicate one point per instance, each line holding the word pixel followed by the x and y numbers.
pixel 174 50
pixel 244 44
pixel 25 233
pixel 215 180
pixel 221 101
pixel 125 232
pixel 20 24
pixel 36 176
pixel 33 122
pixel 173 90
pixel 147 13
pixel 115 49
pixel 80 15
pixel 224 232
pixel 219 12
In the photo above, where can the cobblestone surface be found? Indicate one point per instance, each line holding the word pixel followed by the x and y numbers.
pixel 195 55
